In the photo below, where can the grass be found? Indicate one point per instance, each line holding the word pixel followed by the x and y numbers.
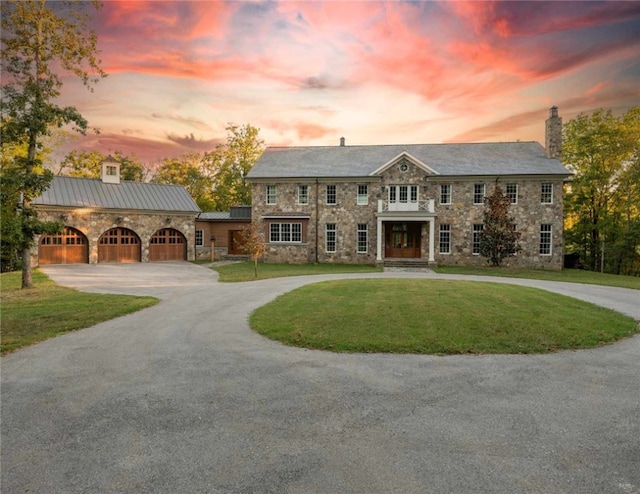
pixel 244 271
pixel 436 317
pixel 568 275
pixel 47 310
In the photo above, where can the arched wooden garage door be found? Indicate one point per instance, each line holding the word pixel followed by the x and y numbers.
pixel 119 245
pixel 168 245
pixel 69 247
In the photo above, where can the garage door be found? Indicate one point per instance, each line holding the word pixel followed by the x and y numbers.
pixel 69 247
pixel 168 244
pixel 119 245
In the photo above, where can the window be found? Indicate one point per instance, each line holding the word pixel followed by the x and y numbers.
pixel 285 232
pixel 330 237
pixel 303 194
pixel 477 229
pixel 445 194
pixel 478 193
pixel 331 194
pixel 363 238
pixel 403 193
pixel 271 194
pixel 512 193
pixel 445 239
pixel 199 238
pixel 112 170
pixel 363 195
pixel 546 193
pixel 545 240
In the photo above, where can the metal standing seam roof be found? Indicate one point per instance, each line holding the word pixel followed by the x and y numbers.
pixel 495 158
pixel 93 193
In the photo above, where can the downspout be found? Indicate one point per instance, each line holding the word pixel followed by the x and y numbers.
pixel 317 220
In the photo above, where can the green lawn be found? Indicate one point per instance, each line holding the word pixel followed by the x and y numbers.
pixel 33 315
pixel 244 271
pixel 568 275
pixel 436 317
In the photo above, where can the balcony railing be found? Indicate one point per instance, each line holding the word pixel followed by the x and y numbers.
pixel 425 205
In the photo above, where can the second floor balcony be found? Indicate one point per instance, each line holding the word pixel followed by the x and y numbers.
pixel 424 205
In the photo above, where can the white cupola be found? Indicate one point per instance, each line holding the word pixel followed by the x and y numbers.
pixel 110 171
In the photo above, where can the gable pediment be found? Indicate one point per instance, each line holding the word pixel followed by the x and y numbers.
pixel 403 159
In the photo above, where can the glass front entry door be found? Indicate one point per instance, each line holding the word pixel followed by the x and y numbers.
pixel 402 240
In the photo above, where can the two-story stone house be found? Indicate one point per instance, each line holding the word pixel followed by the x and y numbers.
pixel 368 204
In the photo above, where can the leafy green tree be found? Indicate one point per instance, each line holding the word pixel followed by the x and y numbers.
pixel 41 39
pixel 499 238
pixel 85 164
pixel 601 203
pixel 229 164
pixel 187 170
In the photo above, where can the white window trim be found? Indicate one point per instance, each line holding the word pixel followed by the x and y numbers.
pixel 550 232
pixel 473 236
pixel 335 238
pixel 440 232
pixel 396 191
pixel 306 202
pixel 291 224
pixel 335 195
pixel 362 199
pixel 484 193
pixel 450 194
pixel 358 231
pixel 268 196
pixel 550 194
pixel 201 243
pixel 517 190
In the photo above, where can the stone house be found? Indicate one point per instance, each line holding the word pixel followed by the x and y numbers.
pixel 221 232
pixel 424 202
pixel 109 220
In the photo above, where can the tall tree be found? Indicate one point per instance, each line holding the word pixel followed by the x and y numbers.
pixel 229 164
pixel 40 40
pixel 499 238
pixel 187 170
pixel 602 217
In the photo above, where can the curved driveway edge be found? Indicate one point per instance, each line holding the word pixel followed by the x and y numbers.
pixel 184 397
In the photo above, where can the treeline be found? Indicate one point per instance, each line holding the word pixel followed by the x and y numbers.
pixel 602 201
pixel 215 179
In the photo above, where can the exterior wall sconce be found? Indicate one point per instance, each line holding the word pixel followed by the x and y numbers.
pixel 167 220
pixel 64 217
pixel 119 219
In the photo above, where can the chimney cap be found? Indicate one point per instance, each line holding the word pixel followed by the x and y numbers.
pixel 553 111
pixel 342 141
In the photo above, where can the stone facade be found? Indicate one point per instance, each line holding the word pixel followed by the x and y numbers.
pixel 93 223
pixel 461 214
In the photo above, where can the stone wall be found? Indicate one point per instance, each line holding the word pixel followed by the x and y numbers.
pixel 93 223
pixel 462 214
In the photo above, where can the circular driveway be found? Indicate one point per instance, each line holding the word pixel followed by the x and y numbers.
pixel 183 397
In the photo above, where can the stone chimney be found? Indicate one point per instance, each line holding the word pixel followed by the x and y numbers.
pixel 110 170
pixel 553 134
pixel 342 141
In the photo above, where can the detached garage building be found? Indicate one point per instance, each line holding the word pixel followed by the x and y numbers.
pixel 106 220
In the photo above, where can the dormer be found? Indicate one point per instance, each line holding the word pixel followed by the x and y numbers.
pixel 110 171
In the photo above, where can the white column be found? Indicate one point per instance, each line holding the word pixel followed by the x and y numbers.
pixel 379 240
pixel 431 239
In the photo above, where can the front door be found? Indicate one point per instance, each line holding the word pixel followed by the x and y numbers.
pixel 402 240
pixel 235 242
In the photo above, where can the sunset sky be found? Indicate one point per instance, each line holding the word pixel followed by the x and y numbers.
pixel 307 73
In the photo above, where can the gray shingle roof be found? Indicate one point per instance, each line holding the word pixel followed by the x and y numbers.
pixel 93 193
pixel 497 158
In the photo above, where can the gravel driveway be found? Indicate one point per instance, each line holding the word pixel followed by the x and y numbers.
pixel 183 397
